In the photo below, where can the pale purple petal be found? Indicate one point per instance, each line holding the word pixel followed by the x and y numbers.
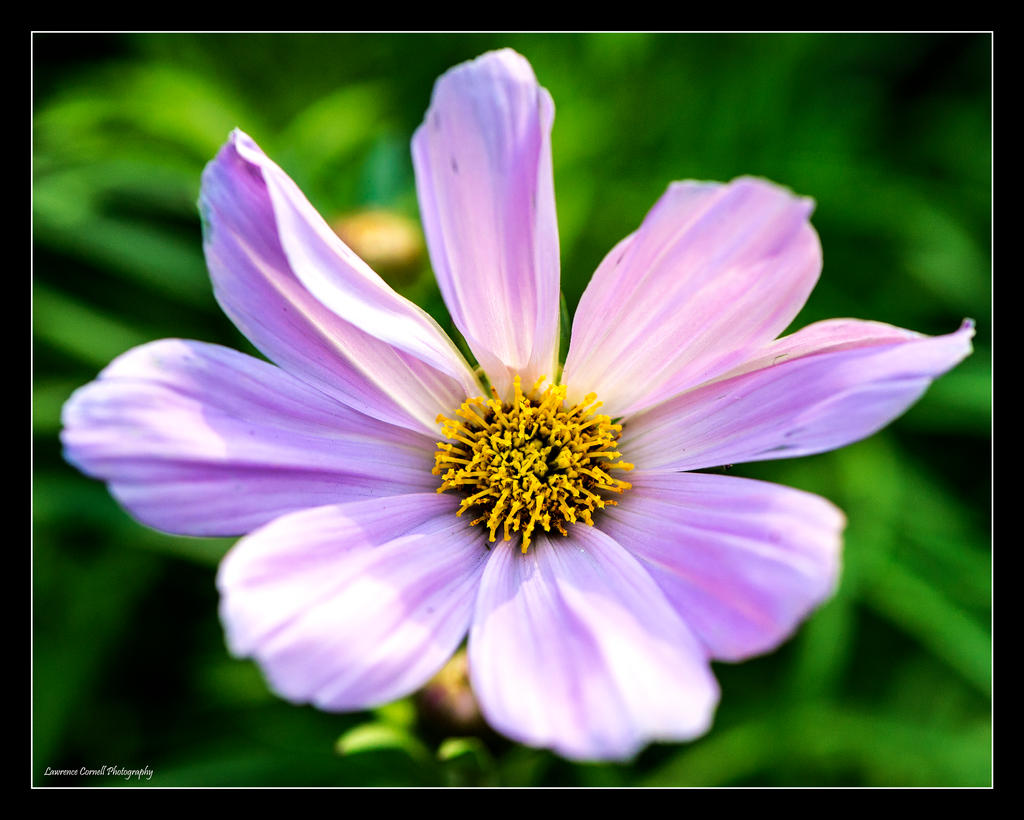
pixel 308 303
pixel 198 439
pixel 483 176
pixel 831 335
pixel 574 647
pixel 713 271
pixel 351 606
pixel 816 397
pixel 742 561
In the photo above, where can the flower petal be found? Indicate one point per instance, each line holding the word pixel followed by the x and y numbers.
pixel 742 561
pixel 712 271
pixel 823 391
pixel 312 306
pixel 198 439
pixel 353 605
pixel 574 647
pixel 486 192
pixel 831 335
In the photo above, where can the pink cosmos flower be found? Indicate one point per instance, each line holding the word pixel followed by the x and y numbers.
pixel 393 504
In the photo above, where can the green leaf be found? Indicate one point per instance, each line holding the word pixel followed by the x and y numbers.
pixel 118 107
pixel 80 331
pixel 327 133
pixel 467 762
pixel 399 713
pixel 82 613
pixel 943 258
pixel 523 766
pixel 824 648
pixel 64 191
pixel 884 497
pixel 170 265
pixel 65 501
pixel 456 747
pixel 819 744
pixel 924 612
pixel 48 397
pixel 376 736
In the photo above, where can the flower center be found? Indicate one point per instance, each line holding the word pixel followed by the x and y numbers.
pixel 530 462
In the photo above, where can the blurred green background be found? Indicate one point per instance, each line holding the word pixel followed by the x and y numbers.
pixel 888 684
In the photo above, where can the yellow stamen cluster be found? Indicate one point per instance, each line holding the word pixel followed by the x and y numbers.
pixel 531 462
